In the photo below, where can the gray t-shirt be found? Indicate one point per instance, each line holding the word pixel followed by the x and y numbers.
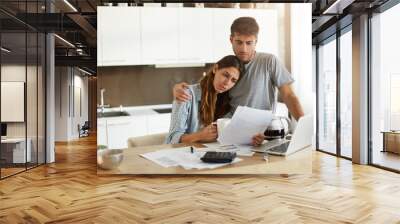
pixel 257 86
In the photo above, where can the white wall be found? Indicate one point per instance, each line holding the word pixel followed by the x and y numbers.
pixel 68 81
pixel 17 73
pixel 14 73
pixel 301 55
pixel 34 125
pixel 80 83
pixel 61 103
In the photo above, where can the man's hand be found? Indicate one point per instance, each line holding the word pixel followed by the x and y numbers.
pixel 291 101
pixel 180 92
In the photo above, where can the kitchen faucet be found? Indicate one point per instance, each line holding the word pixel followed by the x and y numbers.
pixel 102 105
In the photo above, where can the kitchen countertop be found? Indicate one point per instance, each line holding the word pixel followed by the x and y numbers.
pixel 137 110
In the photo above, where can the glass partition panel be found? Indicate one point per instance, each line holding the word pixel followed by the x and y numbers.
pixel 385 84
pixel 327 97
pixel 346 94
pixel 14 153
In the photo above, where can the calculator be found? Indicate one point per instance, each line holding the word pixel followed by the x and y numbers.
pixel 218 157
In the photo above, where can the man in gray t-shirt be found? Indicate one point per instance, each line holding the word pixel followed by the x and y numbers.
pixel 257 86
pixel 262 76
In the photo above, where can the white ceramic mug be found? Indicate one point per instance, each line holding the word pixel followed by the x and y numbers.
pixel 221 124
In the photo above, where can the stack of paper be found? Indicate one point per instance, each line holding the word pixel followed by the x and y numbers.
pixel 241 150
pixel 182 157
pixel 245 123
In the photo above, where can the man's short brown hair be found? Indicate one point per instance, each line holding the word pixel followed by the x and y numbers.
pixel 245 26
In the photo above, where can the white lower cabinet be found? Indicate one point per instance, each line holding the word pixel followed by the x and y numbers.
pixel 138 126
pixel 158 123
pixel 115 132
pixel 102 132
pixel 118 133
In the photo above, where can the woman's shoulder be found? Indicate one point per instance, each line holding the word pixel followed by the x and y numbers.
pixel 195 92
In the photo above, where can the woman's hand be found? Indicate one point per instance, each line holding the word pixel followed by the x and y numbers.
pixel 257 139
pixel 179 92
pixel 209 133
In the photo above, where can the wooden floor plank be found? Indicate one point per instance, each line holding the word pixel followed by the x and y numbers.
pixel 69 191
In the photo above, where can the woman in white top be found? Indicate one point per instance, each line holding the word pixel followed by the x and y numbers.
pixel 192 121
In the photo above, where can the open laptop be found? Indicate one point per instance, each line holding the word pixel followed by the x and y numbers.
pixel 301 138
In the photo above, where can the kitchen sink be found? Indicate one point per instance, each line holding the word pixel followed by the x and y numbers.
pixel 163 111
pixel 112 114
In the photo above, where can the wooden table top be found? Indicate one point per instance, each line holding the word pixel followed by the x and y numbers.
pixel 134 164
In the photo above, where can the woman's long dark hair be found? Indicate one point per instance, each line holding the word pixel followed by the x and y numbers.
pixel 214 105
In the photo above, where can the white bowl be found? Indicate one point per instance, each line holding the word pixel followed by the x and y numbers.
pixel 109 158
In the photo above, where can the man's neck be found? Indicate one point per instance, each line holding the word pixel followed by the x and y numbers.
pixel 252 57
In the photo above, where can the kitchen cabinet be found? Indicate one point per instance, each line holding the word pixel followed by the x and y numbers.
pixel 163 35
pixel 195 35
pixel 177 35
pixel 118 133
pixel 158 123
pixel 222 21
pixel 115 131
pixel 159 35
pixel 140 36
pixel 118 36
pixel 101 132
pixel 139 126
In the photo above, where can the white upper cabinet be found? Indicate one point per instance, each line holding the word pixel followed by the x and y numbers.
pixel 163 35
pixel 159 35
pixel 195 35
pixel 119 36
pixel 221 31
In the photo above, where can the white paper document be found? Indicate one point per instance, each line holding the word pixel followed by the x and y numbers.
pixel 182 157
pixel 245 123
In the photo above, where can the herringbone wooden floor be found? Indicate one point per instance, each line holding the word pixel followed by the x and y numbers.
pixel 69 191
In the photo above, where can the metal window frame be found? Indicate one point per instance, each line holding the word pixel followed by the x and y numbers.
pixel 335 37
pixel 387 5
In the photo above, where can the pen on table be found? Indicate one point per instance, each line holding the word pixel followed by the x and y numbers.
pixel 191 149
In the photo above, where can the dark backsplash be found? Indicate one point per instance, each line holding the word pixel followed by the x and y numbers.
pixel 143 85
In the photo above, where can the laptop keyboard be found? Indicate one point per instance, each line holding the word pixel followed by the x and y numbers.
pixel 281 147
pixel 273 143
pixel 276 145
